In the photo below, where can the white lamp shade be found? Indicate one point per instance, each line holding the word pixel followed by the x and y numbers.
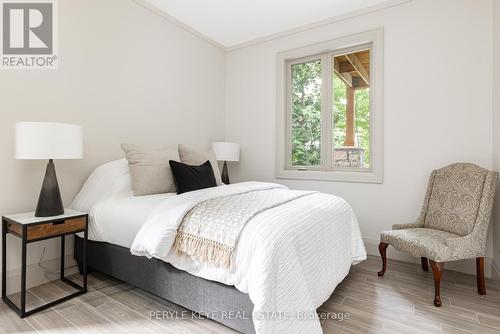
pixel 42 140
pixel 226 151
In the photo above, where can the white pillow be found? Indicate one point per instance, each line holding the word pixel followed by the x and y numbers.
pixel 105 181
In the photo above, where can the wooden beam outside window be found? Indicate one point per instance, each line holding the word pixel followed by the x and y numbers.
pixel 346 77
pixel 356 63
pixel 350 124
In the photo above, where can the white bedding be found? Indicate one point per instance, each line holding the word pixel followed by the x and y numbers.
pixel 115 214
pixel 289 259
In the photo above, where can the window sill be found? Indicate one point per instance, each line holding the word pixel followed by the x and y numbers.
pixel 333 176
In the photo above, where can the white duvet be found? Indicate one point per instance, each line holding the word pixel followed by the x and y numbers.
pixel 289 259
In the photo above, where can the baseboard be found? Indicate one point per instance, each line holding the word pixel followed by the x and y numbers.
pixel 464 266
pixel 39 274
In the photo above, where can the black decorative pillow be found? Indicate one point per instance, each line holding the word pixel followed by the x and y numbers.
pixel 189 178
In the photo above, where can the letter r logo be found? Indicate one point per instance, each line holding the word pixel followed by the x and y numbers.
pixel 27 28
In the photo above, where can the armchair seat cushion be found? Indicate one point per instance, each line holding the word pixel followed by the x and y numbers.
pixel 421 242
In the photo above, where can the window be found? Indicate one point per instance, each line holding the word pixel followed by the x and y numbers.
pixel 329 112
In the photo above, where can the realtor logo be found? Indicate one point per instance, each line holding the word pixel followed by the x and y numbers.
pixel 28 34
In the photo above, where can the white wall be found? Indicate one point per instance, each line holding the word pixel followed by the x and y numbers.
pixel 126 75
pixel 496 130
pixel 438 103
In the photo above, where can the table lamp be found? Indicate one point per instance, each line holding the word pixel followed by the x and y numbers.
pixel 48 141
pixel 226 152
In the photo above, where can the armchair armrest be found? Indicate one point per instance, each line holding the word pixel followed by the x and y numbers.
pixel 405 226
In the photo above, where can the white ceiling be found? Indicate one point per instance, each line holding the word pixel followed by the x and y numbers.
pixel 233 22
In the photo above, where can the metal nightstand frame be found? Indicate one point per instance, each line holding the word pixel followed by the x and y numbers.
pixel 21 311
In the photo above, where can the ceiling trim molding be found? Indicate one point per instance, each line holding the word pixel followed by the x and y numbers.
pixel 146 5
pixel 293 31
pixel 297 30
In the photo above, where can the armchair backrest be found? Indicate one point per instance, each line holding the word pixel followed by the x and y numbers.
pixel 459 198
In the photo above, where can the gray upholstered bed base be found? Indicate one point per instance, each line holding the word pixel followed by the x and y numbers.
pixel 209 298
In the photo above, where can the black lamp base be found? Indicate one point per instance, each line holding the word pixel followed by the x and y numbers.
pixel 50 201
pixel 225 174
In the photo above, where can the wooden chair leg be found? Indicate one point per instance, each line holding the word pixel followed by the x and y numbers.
pixel 481 285
pixel 437 272
pixel 425 264
pixel 382 247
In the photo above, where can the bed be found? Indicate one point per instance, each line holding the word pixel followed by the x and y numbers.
pixel 288 260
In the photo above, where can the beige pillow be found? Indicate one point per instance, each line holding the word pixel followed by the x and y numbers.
pixel 150 170
pixel 192 156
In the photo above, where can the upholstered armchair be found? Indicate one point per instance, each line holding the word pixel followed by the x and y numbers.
pixel 452 225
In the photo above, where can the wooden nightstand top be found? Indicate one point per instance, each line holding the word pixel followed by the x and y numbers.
pixel 28 218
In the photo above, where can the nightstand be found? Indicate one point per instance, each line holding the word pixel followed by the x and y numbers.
pixel 30 229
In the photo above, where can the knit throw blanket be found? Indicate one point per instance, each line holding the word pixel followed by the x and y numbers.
pixel 210 231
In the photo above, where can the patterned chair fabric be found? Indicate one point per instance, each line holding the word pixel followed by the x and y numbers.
pixel 454 219
pixel 455 197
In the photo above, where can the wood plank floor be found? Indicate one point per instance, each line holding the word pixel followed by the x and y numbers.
pixel 400 302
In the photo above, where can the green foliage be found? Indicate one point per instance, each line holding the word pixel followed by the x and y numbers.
pixel 362 98
pixel 306 113
pixel 339 110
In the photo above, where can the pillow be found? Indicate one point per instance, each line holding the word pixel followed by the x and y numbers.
pixel 192 156
pixel 189 178
pixel 150 171
pixel 105 181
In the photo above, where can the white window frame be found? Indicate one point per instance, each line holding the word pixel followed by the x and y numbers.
pixel 325 51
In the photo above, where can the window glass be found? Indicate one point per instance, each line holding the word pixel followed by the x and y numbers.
pixel 351 109
pixel 306 113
